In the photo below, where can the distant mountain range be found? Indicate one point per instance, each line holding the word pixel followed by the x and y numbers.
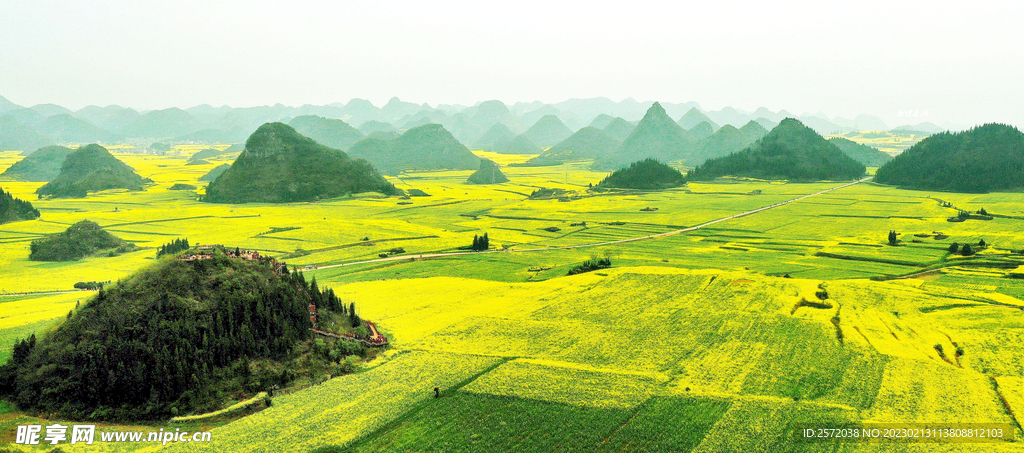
pixel 23 128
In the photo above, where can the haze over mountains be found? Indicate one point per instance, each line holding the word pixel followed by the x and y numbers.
pixel 544 124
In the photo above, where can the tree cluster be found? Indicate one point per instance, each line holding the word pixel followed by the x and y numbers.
pixel 481 243
pixel 592 264
pixel 647 174
pixel 15 209
pixel 172 247
pixel 90 285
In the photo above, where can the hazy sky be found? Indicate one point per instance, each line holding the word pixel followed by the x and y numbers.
pixel 956 61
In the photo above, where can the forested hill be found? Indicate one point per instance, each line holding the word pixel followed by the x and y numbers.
pixel 163 341
pixel 91 168
pixel 15 209
pixel 427 147
pixel 647 174
pixel 790 151
pixel 42 165
pixel 80 240
pixel 982 159
pixel 280 165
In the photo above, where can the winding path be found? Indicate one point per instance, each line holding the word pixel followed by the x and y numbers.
pixel 593 244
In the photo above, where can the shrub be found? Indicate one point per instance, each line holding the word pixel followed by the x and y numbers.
pixel 592 264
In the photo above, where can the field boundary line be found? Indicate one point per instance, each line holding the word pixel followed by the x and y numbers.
pixel 413 257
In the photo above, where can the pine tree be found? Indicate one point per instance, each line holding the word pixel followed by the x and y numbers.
pixel 314 293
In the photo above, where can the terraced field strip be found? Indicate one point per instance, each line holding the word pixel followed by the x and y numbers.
pixel 598 244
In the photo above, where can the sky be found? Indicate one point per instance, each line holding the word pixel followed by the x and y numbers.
pixel 906 62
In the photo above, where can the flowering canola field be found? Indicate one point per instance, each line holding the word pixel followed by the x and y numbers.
pixel 698 342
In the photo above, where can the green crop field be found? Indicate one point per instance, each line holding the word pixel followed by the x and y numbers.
pixel 709 340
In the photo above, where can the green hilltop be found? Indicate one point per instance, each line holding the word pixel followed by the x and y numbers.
pixel 586 144
pixel 496 137
pixel 702 131
pixel 41 165
pixel 215 172
pixel 656 136
pixel 869 156
pixel 790 151
pixel 80 240
pixel 88 169
pixel 601 121
pixel 204 154
pixel 647 174
pixel 372 126
pixel 694 117
pixel 619 128
pixel 978 160
pixel 428 147
pixel 15 209
pixel 488 173
pixel 280 165
pixel 725 141
pixel 754 130
pixel 547 131
pixel 334 133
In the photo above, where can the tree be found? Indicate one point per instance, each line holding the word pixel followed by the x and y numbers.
pixel 954 247
pixel 982 244
pixel 481 243
pixel 893 238
pixel 982 211
pixel 314 292
pixel 966 250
